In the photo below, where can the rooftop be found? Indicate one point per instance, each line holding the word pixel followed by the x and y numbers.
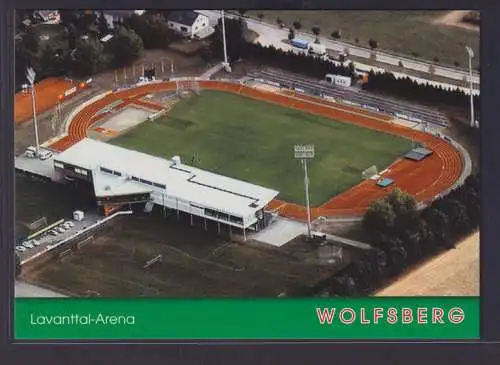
pixel 186 17
pixel 183 182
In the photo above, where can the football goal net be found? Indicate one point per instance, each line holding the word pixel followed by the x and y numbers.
pixel 185 86
pixel 369 172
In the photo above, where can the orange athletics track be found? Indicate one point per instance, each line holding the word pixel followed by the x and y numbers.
pixel 47 94
pixel 422 179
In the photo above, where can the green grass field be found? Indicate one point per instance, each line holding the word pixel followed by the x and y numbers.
pixel 405 32
pixel 253 141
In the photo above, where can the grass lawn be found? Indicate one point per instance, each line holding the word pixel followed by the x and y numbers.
pixel 406 32
pixel 253 141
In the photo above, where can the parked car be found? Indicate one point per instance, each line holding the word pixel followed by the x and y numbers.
pixel 28 244
pixel 21 248
pixel 35 242
pixel 60 229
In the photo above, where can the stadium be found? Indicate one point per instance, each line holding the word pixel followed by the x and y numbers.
pixel 424 172
pixel 219 155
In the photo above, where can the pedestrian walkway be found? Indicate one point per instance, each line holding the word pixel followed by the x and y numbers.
pixel 212 71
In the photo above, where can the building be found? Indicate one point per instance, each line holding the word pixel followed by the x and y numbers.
pixel 48 16
pixel 124 177
pixel 187 23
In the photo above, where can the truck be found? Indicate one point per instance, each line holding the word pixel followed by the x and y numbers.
pixel 318 49
pixel 300 43
pixel 339 80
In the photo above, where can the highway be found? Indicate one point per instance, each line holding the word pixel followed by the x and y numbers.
pixel 273 35
pixel 352 94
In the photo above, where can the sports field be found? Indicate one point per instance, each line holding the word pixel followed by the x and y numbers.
pixel 253 140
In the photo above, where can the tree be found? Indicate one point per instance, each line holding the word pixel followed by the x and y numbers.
pixel 126 46
pixel 400 64
pixel 51 61
pixel 72 35
pixel 31 41
pixel 405 211
pixel 356 40
pixel 456 63
pixel 102 24
pixel 260 16
pixel 242 12
pixel 88 22
pixel 235 38
pixel 279 21
pixel 379 219
pixel 68 17
pixel 435 59
pixel 152 29
pixel 297 25
pixel 373 43
pixel 438 222
pixel 291 34
pixel 336 34
pixel 18 265
pixel 87 58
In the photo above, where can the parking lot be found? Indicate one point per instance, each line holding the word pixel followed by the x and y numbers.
pixel 65 228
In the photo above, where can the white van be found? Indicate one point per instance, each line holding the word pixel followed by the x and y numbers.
pixel 44 155
pixel 29 154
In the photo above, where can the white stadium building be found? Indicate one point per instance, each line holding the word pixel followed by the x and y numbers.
pixel 121 176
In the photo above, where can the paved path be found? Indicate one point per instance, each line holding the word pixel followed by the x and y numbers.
pixel 273 35
pixel 25 290
pixel 344 241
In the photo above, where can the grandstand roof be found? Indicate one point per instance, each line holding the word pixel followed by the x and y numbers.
pixel 183 182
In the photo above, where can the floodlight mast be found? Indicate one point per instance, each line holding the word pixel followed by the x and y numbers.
pixel 30 76
pixel 226 63
pixel 470 54
pixel 304 153
pixel 308 207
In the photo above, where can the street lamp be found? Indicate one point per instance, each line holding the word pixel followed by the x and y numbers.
pixel 226 63
pixel 304 153
pixel 470 54
pixel 30 76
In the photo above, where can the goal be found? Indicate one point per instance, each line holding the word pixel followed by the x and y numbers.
pixel 370 172
pixel 185 86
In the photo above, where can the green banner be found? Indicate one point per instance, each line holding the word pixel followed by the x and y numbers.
pixel 238 319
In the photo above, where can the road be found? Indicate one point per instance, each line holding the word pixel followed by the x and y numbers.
pixel 273 35
pixel 355 95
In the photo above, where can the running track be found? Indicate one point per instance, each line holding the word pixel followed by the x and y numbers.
pixel 424 179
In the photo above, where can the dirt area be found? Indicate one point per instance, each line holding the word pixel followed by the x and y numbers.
pixel 454 19
pixel 453 273
pixel 126 119
pixel 195 263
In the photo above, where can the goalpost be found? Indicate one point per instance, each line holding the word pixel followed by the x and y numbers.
pixel 369 172
pixel 184 86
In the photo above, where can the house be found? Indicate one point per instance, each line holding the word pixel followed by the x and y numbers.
pixel 48 16
pixel 110 20
pixel 187 23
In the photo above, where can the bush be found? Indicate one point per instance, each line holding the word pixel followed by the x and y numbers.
pixel 336 34
pixel 409 89
pixel 373 43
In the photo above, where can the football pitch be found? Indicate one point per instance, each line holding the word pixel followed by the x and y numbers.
pixel 253 140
